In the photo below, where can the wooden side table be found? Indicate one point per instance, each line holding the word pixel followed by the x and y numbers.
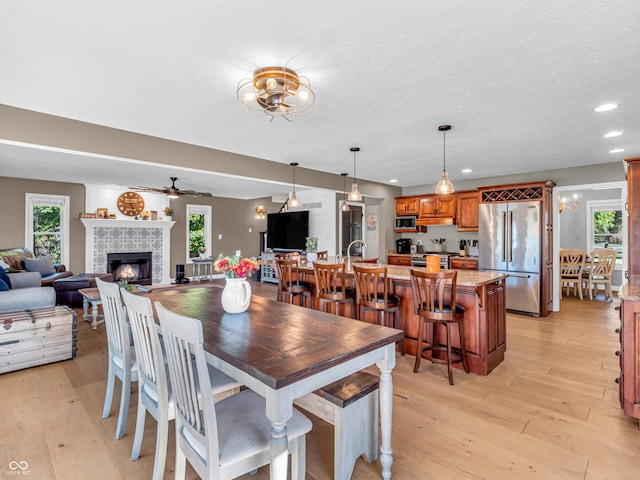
pixel 91 296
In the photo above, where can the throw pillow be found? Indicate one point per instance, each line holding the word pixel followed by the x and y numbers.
pixel 42 265
pixel 5 278
pixel 3 286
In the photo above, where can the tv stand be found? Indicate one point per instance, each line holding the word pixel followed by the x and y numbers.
pixel 267 272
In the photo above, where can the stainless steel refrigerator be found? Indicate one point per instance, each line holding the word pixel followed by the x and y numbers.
pixel 510 238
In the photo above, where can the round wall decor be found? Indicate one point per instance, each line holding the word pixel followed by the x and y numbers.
pixel 130 203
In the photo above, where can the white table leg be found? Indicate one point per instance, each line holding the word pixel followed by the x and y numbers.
pixel 386 410
pixel 279 451
pixel 85 309
pixel 94 315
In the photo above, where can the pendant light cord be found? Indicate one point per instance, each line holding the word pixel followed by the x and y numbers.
pixel 354 166
pixel 444 151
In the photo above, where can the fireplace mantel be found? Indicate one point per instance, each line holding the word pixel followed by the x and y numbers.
pixel 109 236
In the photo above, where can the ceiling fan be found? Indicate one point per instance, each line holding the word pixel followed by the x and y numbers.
pixel 172 191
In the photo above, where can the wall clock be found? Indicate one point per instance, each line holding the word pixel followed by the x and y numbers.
pixel 130 203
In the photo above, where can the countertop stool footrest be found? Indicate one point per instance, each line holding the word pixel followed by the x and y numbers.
pixel 351 405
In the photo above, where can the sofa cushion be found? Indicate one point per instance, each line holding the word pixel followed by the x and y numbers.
pixel 5 278
pixel 42 265
pixel 3 286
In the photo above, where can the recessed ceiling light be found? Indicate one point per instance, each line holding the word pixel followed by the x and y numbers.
pixel 467 170
pixel 393 180
pixel 616 150
pixel 605 107
pixel 612 134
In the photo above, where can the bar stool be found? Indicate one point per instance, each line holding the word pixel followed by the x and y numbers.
pixel 323 255
pixel 289 284
pixel 434 299
pixel 331 288
pixel 368 297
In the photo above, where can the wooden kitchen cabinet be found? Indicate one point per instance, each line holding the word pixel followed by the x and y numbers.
pixel 467 211
pixel 632 170
pixel 399 260
pixel 463 263
pixel 629 379
pixel 437 210
pixel 407 206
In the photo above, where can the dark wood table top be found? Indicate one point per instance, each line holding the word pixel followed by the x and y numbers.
pixel 275 342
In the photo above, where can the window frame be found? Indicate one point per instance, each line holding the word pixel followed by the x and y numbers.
pixel 205 210
pixel 38 199
pixel 604 205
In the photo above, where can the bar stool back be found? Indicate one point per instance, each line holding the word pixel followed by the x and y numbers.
pixel 289 284
pixel 331 288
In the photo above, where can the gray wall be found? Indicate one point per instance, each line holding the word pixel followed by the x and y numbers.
pixel 12 214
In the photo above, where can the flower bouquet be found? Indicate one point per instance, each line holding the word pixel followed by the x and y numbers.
pixel 235 267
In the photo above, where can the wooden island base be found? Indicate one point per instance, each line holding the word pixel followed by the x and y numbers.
pixel 483 296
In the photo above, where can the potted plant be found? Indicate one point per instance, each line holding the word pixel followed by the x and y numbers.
pixel 312 248
pixel 168 212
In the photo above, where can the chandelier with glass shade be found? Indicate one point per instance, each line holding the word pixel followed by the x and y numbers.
pixel 276 92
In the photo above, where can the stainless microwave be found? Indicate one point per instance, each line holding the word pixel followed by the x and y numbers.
pixel 406 224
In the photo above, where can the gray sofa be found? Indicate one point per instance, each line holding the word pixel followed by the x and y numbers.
pixel 27 293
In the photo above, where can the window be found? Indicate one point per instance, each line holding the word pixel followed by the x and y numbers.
pixel 605 224
pixel 47 226
pixel 198 231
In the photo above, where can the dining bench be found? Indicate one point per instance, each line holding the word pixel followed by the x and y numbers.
pixel 351 406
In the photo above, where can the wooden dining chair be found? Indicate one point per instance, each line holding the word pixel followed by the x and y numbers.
pixel 226 439
pixel 331 287
pixel 369 296
pixel 154 391
pixel 289 283
pixel 600 271
pixel 434 301
pixel 572 262
pixel 122 357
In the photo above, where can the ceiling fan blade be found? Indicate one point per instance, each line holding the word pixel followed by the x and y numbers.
pixel 193 193
pixel 147 189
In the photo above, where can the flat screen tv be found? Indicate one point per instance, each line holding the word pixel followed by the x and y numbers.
pixel 287 231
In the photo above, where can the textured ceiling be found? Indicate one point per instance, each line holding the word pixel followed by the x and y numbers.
pixel 518 80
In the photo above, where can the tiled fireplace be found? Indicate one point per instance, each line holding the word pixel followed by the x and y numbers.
pixel 128 236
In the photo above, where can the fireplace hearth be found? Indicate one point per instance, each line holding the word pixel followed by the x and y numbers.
pixel 134 267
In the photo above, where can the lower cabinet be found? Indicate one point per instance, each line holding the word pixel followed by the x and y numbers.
pixel 463 263
pixel 629 379
pixel 399 260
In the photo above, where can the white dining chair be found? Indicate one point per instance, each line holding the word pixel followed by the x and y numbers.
pixel 226 439
pixel 154 390
pixel 122 357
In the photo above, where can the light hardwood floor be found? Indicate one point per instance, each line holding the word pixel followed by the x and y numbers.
pixel 549 411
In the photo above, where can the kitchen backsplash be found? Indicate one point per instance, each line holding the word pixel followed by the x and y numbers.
pixel 447 232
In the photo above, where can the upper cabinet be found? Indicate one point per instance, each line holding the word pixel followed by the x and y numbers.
pixel 467 211
pixel 407 206
pixel 437 210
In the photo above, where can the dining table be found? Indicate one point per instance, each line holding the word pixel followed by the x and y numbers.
pixel 283 352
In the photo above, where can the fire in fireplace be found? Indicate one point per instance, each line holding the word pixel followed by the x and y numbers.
pixel 134 267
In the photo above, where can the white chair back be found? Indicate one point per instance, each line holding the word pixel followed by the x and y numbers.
pixel 196 423
pixel 122 362
pixel 603 261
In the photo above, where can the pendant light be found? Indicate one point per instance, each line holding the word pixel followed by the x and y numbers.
pixel 344 206
pixel 354 195
pixel 293 200
pixel 444 185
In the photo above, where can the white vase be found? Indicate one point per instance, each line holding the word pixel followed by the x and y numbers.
pixel 312 257
pixel 236 295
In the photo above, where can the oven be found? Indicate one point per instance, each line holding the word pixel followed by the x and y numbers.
pixel 420 259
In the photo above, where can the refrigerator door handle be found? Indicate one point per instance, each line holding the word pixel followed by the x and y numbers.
pixel 504 236
pixel 519 275
pixel 510 236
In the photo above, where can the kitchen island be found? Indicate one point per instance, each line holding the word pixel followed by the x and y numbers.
pixel 483 296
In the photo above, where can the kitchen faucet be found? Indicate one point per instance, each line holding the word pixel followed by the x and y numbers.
pixel 364 244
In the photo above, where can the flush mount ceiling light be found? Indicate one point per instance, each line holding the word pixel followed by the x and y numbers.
pixel 605 107
pixel 612 134
pixel 276 92
pixel 354 194
pixel 293 200
pixel 444 185
pixel 344 206
pixel 616 150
